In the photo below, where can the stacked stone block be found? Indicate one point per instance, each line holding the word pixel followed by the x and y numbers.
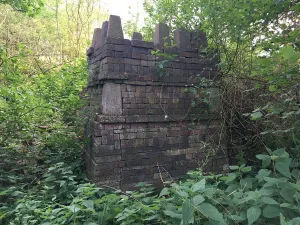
pixel 144 127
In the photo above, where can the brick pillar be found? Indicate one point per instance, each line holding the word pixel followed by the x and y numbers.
pixel 144 125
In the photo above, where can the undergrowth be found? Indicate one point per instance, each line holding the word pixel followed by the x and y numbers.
pixel 268 196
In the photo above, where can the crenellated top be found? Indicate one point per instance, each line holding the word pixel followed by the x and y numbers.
pixel 183 40
pixel 113 57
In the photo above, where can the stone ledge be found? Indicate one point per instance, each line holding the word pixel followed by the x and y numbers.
pixel 109 119
pixel 142 44
pixel 149 118
pixel 112 76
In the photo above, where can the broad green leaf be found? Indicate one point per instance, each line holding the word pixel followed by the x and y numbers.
pixel 294 221
pixel 61 183
pixel 199 186
pixel 288 194
pixel 253 214
pixel 73 208
pixel 172 214
pixel 285 205
pixel 234 167
pixel 182 193
pixel 89 204
pixel 246 169
pixel 187 213
pixel 287 52
pixel 270 182
pixel 246 182
pixel 263 173
pixel 256 115
pixel 269 201
pixel 211 212
pixel 283 166
pixel 197 200
pixel 210 192
pixel 164 191
pixel 237 218
pixel 152 217
pixel 271 211
pixel 282 220
pixel 281 152
pixel 226 178
pixel 266 160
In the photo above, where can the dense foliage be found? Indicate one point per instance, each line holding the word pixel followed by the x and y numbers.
pixel 39 123
pixel 43 73
pixel 269 196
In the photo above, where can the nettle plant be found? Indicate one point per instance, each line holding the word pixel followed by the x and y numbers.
pixel 241 197
pixel 244 196
pixel 269 196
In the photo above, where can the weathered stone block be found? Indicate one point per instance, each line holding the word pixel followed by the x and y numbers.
pixel 112 99
pixel 182 38
pixel 142 44
pixel 137 36
pixel 103 34
pixel 115 27
pixel 198 40
pixel 161 34
pixel 96 38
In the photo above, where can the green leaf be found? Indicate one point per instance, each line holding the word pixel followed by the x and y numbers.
pixel 89 204
pixel 152 217
pixel 287 52
pixel 173 214
pixel 256 115
pixel 271 211
pixel 164 191
pixel 247 182
pixel 282 220
pixel 199 185
pixel 182 193
pixel 237 218
pixel 266 160
pixel 272 88
pixel 281 152
pixel 61 183
pixel 288 194
pixel 234 167
pixel 197 200
pixel 286 205
pixel 246 169
pixel 73 208
pixel 253 214
pixel 269 201
pixel 187 213
pixel 263 173
pixel 226 178
pixel 211 212
pixel 283 166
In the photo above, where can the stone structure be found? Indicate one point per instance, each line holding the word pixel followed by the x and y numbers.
pixel 144 127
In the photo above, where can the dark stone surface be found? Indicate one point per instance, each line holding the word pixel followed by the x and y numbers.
pixel 96 38
pixel 103 32
pixel 182 38
pixel 161 34
pixel 115 27
pixel 144 127
pixel 137 36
